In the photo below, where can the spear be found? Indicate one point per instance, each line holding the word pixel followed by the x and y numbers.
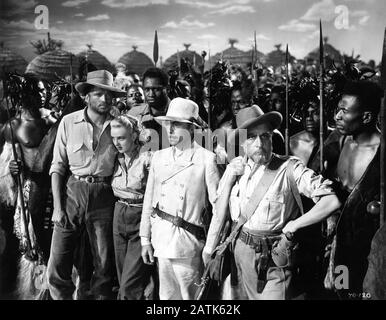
pixel 18 177
pixel 287 142
pixel 321 74
pixel 179 63
pixel 383 132
pixel 155 48
pixel 253 55
pixel 72 90
pixel 209 93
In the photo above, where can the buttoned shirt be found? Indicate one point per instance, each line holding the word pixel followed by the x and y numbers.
pixel 130 176
pixel 180 183
pixel 73 147
pixel 278 206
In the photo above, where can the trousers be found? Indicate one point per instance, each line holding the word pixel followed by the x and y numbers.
pixel 89 207
pixel 133 274
pixel 177 277
pixel 278 279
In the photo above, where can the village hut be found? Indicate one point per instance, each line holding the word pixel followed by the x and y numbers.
pixel 331 55
pixel 276 58
pixel 136 62
pixel 192 57
pixel 10 61
pixel 96 59
pixel 53 65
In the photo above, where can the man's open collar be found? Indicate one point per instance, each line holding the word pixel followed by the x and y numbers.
pixel 82 116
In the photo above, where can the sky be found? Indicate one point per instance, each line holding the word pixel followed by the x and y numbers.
pixel 114 26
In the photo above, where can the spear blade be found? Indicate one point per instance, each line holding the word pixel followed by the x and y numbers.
pixel 155 48
pixel 321 74
pixel 383 132
pixel 287 142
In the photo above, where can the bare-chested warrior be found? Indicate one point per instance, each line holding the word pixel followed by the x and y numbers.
pixel 357 173
pixel 305 144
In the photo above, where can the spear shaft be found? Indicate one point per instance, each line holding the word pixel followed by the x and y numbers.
pixel 209 93
pixel 18 176
pixel 287 142
pixel 179 63
pixel 321 85
pixel 383 132
pixel 72 90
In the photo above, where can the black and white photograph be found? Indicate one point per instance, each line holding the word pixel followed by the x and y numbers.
pixel 191 155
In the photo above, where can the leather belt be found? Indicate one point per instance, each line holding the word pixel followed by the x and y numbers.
pixel 131 201
pixel 197 231
pixel 262 244
pixel 91 179
pixel 255 241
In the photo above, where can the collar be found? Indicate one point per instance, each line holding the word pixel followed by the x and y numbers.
pixel 149 111
pixel 186 152
pixel 82 116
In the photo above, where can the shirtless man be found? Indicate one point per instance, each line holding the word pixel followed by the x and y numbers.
pixel 357 173
pixel 305 144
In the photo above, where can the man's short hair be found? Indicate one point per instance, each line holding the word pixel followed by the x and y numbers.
pixel 368 93
pixel 157 73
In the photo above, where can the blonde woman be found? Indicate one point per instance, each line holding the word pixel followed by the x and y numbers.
pixel 129 184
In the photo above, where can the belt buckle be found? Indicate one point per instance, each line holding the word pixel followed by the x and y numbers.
pixel 90 179
pixel 177 221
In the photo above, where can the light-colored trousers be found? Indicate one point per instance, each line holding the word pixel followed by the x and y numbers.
pixel 177 277
pixel 278 282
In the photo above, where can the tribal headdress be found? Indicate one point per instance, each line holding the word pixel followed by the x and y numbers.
pixel 220 87
pixel 24 94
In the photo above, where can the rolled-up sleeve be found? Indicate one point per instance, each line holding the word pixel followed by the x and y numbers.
pixel 60 161
pixel 311 184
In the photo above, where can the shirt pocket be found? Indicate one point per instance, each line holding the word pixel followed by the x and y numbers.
pixel 77 156
pixel 272 209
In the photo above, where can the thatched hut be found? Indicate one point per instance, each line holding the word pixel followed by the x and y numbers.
pixel 234 56
pixel 136 61
pixel 276 58
pixel 10 61
pixel 96 58
pixel 53 64
pixel 193 57
pixel 330 55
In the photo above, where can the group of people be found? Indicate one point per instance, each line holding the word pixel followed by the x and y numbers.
pixel 141 194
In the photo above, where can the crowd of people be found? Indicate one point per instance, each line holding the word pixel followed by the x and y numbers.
pixel 121 187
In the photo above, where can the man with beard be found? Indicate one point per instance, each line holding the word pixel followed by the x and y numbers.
pixel 83 146
pixel 155 82
pixel 182 180
pixel 356 171
pixel 262 192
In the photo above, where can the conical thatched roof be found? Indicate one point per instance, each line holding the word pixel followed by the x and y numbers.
pixel 10 61
pixel 193 57
pixel 97 59
pixel 330 54
pixel 234 56
pixel 49 64
pixel 136 61
pixel 276 58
